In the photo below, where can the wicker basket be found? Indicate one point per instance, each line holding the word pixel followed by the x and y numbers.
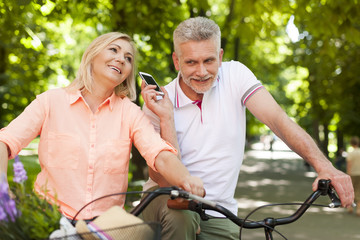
pixel 141 231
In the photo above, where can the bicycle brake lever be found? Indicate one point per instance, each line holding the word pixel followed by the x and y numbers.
pixel 335 201
pixel 324 186
pixel 197 207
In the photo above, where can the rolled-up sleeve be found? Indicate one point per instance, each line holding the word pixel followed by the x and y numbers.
pixel 147 140
pixel 23 129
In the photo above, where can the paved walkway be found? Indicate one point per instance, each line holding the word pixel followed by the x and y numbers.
pixel 278 177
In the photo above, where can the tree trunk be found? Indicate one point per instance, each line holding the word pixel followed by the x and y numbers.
pixel 340 141
pixel 326 140
pixel 236 48
pixel 316 134
pixel 140 172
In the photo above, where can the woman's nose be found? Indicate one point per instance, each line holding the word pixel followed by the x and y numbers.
pixel 120 58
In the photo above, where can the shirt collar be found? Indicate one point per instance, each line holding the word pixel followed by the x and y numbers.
pixel 75 96
pixel 181 99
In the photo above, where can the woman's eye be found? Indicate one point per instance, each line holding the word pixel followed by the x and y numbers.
pixel 129 59
pixel 113 49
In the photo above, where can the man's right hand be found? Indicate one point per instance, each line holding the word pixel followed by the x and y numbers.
pixel 163 108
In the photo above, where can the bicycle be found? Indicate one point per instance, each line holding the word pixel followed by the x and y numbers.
pixel 199 205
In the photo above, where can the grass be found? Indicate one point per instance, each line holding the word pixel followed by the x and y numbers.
pixel 31 165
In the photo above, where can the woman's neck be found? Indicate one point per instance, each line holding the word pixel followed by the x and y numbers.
pixel 95 99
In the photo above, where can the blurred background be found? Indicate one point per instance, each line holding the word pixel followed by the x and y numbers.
pixel 306 53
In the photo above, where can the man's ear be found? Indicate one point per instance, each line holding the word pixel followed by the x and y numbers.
pixel 221 53
pixel 176 61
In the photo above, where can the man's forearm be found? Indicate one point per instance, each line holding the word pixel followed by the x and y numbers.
pixel 263 106
pixel 161 112
pixel 168 133
pixel 303 144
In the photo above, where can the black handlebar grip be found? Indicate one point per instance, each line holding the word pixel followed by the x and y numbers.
pixel 323 186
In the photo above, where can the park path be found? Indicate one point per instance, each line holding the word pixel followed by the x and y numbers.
pixel 280 176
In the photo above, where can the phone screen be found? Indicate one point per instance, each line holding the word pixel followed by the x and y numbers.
pixel 150 80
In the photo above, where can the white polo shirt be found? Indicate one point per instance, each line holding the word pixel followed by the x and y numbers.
pixel 211 134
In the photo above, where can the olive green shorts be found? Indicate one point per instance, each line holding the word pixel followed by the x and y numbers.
pixel 184 224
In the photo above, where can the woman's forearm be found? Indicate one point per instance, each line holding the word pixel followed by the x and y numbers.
pixel 4 154
pixel 175 173
pixel 168 133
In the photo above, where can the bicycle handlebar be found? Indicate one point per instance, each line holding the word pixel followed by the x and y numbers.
pixel 199 204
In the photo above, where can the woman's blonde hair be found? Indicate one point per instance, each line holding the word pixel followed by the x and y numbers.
pixel 84 77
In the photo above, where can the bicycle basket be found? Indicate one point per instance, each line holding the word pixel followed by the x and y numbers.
pixel 141 231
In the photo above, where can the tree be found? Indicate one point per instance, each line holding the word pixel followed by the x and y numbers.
pixel 314 79
pixel 329 49
pixel 38 47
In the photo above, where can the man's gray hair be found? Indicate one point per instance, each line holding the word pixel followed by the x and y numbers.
pixel 196 29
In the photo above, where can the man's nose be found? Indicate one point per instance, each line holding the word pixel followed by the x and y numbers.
pixel 201 71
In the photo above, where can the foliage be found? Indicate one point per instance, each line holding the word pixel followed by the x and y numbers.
pixel 39 47
pixel 32 217
pixel 37 217
pixel 315 79
pixel 329 50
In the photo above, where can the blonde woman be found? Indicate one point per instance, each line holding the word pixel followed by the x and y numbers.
pixel 86 131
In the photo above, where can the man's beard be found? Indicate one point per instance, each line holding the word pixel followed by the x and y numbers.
pixel 196 89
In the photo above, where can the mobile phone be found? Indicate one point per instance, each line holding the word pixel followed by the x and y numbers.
pixel 149 80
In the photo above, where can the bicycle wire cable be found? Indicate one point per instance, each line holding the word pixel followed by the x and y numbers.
pixel 246 219
pixel 106 196
pixel 272 205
